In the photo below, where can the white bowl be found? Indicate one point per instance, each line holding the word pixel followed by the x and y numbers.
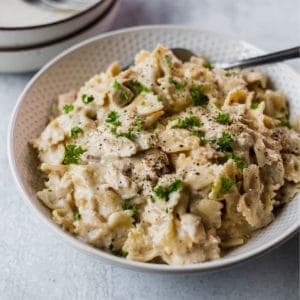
pixel 44 32
pixel 73 67
pixel 33 58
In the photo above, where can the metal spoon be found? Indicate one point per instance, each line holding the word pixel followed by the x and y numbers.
pixel 185 55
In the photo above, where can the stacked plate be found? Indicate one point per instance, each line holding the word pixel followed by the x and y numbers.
pixel 32 31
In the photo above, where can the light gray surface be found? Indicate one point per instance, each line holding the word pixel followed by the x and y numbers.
pixel 35 264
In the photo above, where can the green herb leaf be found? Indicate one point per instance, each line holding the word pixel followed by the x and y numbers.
pixel 73 154
pixel 207 64
pixel 200 135
pixel 188 122
pixel 159 98
pixel 116 85
pixel 86 99
pixel 128 206
pixel 169 61
pixel 67 108
pixel 285 123
pixel 112 118
pixel 197 96
pixel 136 87
pixel 164 192
pixel 222 118
pixel 239 162
pixel 228 74
pixel 75 131
pixel 226 185
pixel 77 216
pixel 129 134
pixel 139 124
pixel 224 142
pixel 117 252
pixel 254 105
pixel 152 199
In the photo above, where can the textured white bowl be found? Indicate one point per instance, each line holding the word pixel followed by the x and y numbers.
pixel 73 67
pixel 33 58
pixel 16 37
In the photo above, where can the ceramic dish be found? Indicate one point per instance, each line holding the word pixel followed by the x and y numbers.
pixel 73 67
pixel 33 58
pixel 34 30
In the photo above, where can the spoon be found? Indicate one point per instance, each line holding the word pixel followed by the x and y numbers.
pixel 185 55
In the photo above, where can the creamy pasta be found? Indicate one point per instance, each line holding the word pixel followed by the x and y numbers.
pixel 169 162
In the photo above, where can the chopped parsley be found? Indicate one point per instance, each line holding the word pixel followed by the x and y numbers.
pixel 124 96
pixel 169 61
pixel 128 206
pixel 75 131
pixel 112 118
pixel 224 142
pixel 86 99
pixel 67 108
pixel 285 123
pixel 159 98
pixel 152 199
pixel 164 192
pixel 73 154
pixel 207 64
pixel 129 134
pixel 77 216
pixel 222 118
pixel 116 85
pixel 200 135
pixel 136 87
pixel 254 105
pixel 226 185
pixel 197 96
pixel 118 252
pixel 188 122
pixel 228 74
pixel 139 123
pixel 178 85
pixel 239 162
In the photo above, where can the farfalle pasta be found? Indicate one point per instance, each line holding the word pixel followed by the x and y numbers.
pixel 169 162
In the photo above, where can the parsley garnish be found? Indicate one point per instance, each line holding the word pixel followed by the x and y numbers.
pixel 285 123
pixel 207 64
pixel 116 85
pixel 128 206
pixel 197 95
pixel 222 118
pixel 224 142
pixel 169 61
pixel 131 136
pixel 75 131
pixel 124 96
pixel 68 107
pixel 139 123
pixel 118 252
pixel 159 98
pixel 152 199
pixel 136 87
pixel 200 135
pixel 86 99
pixel 188 122
pixel 178 85
pixel 112 118
pixel 164 192
pixel 77 216
pixel 254 105
pixel 73 154
pixel 239 162
pixel 228 74
pixel 226 185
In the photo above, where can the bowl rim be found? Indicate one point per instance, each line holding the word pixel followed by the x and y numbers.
pixel 54 23
pixel 221 263
pixel 82 30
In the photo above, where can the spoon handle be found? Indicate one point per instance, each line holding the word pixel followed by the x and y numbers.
pixel 263 59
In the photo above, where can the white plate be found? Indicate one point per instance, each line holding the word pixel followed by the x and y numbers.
pixel 33 58
pixel 24 24
pixel 72 68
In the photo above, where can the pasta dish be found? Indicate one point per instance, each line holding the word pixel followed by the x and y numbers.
pixel 169 161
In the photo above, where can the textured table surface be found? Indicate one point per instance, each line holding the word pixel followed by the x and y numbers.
pixel 35 264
